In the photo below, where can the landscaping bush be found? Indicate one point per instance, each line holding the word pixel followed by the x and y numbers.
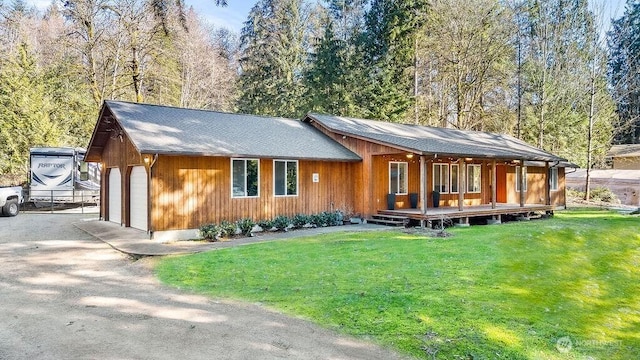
pixel 209 232
pixel 300 221
pixel 281 222
pixel 318 220
pixel 603 194
pixel 266 225
pixel 227 229
pixel 246 226
pixel 333 218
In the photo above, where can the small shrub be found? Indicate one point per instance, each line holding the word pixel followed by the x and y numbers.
pixel 333 218
pixel 300 220
pixel 266 225
pixel 227 229
pixel 246 226
pixel 281 222
pixel 603 194
pixel 210 232
pixel 319 220
pixel 575 193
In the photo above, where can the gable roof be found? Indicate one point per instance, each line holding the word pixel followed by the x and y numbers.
pixel 624 150
pixel 155 129
pixel 432 141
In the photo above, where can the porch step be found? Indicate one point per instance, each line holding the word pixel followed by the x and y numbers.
pixel 388 220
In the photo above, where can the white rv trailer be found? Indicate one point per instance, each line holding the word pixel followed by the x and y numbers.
pixel 61 175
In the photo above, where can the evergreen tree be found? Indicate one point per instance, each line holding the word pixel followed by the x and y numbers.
pixel 624 73
pixel 329 80
pixel 389 45
pixel 24 113
pixel 273 59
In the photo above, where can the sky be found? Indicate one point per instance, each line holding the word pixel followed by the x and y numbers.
pixel 235 14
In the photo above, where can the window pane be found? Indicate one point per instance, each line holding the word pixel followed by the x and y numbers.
pixel 474 179
pixel 292 178
pixel 436 177
pixel 238 178
pixel 445 178
pixel 554 179
pixel 393 178
pixel 279 175
pixel 402 178
pixel 454 178
pixel 252 177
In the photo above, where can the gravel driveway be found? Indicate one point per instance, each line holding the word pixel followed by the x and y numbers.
pixel 67 295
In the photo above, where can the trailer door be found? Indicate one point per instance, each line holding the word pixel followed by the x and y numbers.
pixel 138 198
pixel 115 196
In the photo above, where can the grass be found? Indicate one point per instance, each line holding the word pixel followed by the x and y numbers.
pixel 510 291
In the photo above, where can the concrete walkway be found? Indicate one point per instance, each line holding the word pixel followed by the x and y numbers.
pixel 137 243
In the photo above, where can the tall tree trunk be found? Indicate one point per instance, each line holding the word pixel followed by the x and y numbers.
pixel 592 95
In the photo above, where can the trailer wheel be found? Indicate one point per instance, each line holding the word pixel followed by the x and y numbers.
pixel 11 208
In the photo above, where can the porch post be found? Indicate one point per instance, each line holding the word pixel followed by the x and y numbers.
pixel 461 184
pixel 494 177
pixel 547 187
pixel 522 181
pixel 423 184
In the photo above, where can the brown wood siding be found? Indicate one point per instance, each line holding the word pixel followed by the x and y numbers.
pixel 536 182
pixel 368 179
pixel 188 192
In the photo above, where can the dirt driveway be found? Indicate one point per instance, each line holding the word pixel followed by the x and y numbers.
pixel 67 295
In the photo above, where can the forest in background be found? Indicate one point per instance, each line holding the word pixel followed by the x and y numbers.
pixel 540 70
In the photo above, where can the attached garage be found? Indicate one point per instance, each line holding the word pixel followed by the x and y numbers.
pixel 138 198
pixel 115 196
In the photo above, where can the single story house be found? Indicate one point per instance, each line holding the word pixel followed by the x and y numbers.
pixel 625 156
pixel 169 170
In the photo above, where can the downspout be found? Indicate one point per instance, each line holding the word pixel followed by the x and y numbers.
pixel 150 177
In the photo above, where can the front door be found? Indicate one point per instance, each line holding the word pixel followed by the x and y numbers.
pixel 501 183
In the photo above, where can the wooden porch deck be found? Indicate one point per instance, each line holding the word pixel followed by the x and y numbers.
pixel 440 213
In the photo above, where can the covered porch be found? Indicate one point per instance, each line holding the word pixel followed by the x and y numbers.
pixel 457 216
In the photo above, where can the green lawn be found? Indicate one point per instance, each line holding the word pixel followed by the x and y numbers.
pixel 506 291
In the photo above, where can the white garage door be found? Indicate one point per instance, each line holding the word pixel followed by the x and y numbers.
pixel 138 198
pixel 115 196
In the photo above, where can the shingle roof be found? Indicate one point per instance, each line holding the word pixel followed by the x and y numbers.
pixel 624 150
pixel 172 130
pixel 434 141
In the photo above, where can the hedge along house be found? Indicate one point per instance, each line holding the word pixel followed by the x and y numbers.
pixel 449 173
pixel 169 170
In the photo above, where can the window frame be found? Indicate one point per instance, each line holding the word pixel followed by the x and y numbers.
pixel 246 196
pixel 524 172
pixel 451 182
pixel 447 178
pixel 553 179
pixel 405 183
pixel 471 183
pixel 286 173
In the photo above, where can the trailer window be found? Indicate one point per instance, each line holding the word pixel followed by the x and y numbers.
pixel 84 171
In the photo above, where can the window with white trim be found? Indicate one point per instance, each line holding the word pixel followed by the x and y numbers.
pixel 398 177
pixel 553 179
pixel 441 178
pixel 524 172
pixel 454 178
pixel 245 178
pixel 474 178
pixel 285 177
